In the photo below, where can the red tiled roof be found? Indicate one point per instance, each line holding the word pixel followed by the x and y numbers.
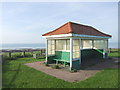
pixel 75 28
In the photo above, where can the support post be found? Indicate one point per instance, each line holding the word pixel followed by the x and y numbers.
pixel 92 44
pixel 46 51
pixel 105 49
pixel 71 52
pixel 80 47
pixel 9 54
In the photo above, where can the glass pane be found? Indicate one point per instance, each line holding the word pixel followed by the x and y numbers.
pixel 76 48
pixel 98 44
pixel 49 52
pixel 106 46
pixel 49 41
pixel 68 44
pixel 53 42
pixel 53 46
pixel 53 51
pixel 76 54
pixel 87 43
pixel 75 42
pixel 60 44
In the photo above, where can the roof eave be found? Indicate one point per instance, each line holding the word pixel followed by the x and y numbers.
pixel 75 35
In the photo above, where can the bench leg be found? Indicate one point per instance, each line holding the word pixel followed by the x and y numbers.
pixel 64 64
pixel 56 62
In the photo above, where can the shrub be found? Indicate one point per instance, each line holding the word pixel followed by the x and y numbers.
pixel 73 70
pixel 55 66
pixel 46 64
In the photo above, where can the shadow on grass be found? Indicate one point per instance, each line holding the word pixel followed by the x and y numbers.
pixel 7 68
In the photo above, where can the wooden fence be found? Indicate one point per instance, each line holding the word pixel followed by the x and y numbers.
pixel 41 52
pixel 36 55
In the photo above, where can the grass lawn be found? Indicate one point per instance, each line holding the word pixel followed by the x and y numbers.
pixel 17 75
pixel 114 53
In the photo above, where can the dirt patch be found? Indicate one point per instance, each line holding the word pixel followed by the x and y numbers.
pixel 77 76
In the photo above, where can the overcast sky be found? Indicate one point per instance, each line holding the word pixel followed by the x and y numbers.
pixel 26 22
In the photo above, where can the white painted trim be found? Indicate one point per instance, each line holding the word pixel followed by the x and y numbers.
pixel 92 44
pixel 76 59
pixel 107 45
pixel 63 50
pixel 104 50
pixel 46 50
pixel 90 36
pixel 71 52
pixel 75 35
pixel 51 55
pixel 60 35
pixel 80 46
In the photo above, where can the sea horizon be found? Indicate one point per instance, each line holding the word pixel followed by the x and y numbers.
pixel 23 46
pixel 40 45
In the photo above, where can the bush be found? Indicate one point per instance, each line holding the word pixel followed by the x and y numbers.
pixel 46 64
pixel 73 70
pixel 55 66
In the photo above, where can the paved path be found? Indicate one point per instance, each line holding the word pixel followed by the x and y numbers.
pixel 73 77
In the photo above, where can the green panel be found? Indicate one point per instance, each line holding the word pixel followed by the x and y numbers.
pixel 62 55
pixel 58 54
pixel 75 64
pixel 91 53
pixel 50 59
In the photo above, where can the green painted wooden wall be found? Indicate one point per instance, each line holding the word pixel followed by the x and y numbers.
pixel 76 64
pixel 90 53
pixel 62 55
pixel 59 55
pixel 85 54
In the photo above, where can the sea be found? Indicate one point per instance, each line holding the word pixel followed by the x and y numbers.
pixel 23 46
pixel 41 45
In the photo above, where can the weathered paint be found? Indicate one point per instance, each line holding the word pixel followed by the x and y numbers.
pixel 50 59
pixel 90 53
pixel 62 55
pixel 75 64
pixel 85 54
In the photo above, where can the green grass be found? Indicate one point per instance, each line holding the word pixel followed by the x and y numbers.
pixel 17 75
pixel 114 53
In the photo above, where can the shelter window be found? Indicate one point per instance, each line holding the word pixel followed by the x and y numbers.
pixel 87 43
pixel 62 45
pixel 51 47
pixel 99 44
pixel 76 49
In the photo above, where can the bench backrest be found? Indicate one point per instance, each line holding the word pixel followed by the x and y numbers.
pixel 62 55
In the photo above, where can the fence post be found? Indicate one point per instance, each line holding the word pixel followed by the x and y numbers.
pixel 35 56
pixel 40 51
pixel 109 50
pixel 23 53
pixel 9 55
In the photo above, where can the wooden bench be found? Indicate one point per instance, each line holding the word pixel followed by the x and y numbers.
pixel 62 56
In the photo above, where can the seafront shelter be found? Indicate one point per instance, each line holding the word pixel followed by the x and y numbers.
pixel 72 43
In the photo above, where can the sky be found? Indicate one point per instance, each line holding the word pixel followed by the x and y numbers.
pixel 25 22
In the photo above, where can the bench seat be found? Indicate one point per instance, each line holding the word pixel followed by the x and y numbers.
pixel 60 60
pixel 62 56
